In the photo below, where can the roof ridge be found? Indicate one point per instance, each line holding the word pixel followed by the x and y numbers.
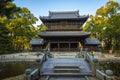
pixel 58 12
pixel 64 15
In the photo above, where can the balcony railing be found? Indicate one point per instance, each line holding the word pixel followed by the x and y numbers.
pixel 64 27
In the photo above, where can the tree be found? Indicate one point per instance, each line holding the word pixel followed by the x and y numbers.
pixel 21 28
pixel 105 24
pixel 113 32
pixel 39 28
pixel 6 9
pixel 16 27
pixel 42 27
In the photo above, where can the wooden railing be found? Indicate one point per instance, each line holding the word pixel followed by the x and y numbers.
pixel 58 27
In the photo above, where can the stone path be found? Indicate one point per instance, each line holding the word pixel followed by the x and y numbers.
pixel 68 54
pixel 64 54
pixel 67 78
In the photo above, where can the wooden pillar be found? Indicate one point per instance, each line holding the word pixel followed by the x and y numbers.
pixel 69 46
pixel 58 46
pixel 49 45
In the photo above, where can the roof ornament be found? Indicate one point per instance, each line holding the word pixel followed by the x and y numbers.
pixel 77 13
pixel 50 13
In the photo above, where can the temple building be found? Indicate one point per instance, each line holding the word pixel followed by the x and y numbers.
pixel 64 31
pixel 66 54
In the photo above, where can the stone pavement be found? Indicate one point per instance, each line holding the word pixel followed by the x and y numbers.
pixel 19 56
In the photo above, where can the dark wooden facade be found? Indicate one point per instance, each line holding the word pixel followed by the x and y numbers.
pixel 64 31
pixel 64 25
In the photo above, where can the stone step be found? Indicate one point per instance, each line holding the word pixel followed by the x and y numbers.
pixel 66 70
pixel 67 74
pixel 72 67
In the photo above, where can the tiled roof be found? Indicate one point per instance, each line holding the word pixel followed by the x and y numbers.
pixel 74 14
pixel 92 41
pixel 64 33
pixel 37 42
pixel 64 15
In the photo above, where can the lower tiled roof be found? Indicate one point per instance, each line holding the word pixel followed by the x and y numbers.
pixel 94 41
pixel 36 42
pixel 63 33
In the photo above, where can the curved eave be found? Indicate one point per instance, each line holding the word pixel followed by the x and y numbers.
pixel 65 36
pixel 44 19
pixel 62 35
pixel 92 44
pixel 35 44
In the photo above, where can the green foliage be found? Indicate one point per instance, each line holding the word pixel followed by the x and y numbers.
pixel 42 28
pixel 39 28
pixel 21 28
pixel 105 25
pixel 16 27
pixel 5 43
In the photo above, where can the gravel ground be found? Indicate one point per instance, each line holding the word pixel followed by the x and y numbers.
pixel 93 78
pixel 20 77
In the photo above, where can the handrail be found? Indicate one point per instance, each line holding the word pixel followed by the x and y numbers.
pixel 47 78
pixel 100 75
pixel 86 78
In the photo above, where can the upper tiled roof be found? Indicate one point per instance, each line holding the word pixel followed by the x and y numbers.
pixel 71 14
pixel 37 42
pixel 63 15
